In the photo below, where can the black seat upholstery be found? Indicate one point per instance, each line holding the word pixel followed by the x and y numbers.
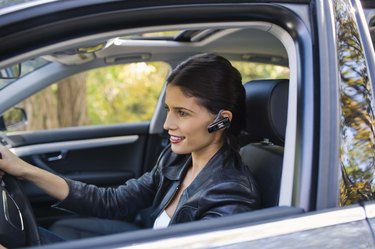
pixel 266 109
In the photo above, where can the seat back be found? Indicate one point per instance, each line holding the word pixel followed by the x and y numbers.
pixel 266 110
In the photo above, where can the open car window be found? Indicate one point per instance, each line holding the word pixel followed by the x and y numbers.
pixel 123 93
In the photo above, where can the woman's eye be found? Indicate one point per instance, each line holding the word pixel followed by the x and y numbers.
pixel 182 113
pixel 166 108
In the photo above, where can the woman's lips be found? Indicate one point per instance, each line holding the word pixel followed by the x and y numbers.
pixel 175 139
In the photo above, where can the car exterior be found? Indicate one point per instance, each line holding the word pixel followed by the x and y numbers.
pixel 324 48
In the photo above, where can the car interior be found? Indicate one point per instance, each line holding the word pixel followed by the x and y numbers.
pixel 88 149
pixel 266 102
pixel 82 90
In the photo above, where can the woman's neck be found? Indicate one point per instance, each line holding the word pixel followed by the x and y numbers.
pixel 201 158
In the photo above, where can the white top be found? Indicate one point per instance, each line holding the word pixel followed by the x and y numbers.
pixel 162 221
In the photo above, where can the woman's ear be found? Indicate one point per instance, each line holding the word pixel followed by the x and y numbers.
pixel 221 121
pixel 227 114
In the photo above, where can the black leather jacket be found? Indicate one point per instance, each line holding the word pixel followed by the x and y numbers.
pixel 223 187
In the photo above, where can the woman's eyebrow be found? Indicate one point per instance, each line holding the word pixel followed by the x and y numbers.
pixel 180 108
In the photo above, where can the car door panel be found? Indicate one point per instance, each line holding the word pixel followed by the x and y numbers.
pixel 277 227
pixel 19 139
pixel 100 155
pixel 370 214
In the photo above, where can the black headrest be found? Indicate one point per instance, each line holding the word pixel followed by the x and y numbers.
pixel 266 110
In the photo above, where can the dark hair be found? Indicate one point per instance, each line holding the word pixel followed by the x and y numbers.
pixel 217 85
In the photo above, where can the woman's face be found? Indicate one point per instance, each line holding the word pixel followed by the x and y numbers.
pixel 187 123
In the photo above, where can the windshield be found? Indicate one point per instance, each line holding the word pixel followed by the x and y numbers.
pixel 26 68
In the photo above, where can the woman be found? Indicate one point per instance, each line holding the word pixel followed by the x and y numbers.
pixel 199 176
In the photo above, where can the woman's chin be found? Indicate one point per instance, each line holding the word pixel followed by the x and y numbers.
pixel 178 149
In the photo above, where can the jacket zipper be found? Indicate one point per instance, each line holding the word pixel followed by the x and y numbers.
pixel 177 207
pixel 169 201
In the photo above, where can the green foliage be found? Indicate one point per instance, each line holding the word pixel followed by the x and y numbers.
pixel 252 71
pixel 115 94
pixel 124 93
pixel 357 117
pixel 128 93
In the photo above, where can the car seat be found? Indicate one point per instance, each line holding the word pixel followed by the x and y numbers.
pixel 266 110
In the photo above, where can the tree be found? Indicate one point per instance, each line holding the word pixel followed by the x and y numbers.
pixel 251 71
pixel 114 94
pixel 357 119
pixel 60 105
pixel 71 101
pixel 125 93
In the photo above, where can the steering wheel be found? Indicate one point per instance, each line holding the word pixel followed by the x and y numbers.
pixel 18 226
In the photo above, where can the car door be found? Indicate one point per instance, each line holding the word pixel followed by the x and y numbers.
pixel 104 141
pixel 302 192
pixel 82 143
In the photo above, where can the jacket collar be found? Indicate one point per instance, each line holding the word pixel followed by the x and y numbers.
pixel 178 168
pixel 214 164
pixel 176 172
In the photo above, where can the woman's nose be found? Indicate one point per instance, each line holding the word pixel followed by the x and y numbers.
pixel 169 124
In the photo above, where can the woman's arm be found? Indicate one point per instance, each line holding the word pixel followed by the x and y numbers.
pixel 52 184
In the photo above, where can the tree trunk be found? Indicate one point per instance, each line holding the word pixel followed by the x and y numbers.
pixel 41 110
pixel 71 101
pixel 59 108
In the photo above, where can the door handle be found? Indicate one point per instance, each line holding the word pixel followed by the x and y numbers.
pixel 52 157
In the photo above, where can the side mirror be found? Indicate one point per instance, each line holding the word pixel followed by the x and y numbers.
pixel 12 72
pixel 13 119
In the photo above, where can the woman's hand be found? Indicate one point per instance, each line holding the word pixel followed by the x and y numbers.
pixel 50 183
pixel 11 164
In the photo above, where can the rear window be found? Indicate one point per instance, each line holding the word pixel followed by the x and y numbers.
pixel 252 71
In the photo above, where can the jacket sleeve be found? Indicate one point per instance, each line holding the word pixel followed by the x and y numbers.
pixel 122 202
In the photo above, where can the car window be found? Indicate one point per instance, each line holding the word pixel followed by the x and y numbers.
pixel 357 114
pixel 108 95
pixel 253 70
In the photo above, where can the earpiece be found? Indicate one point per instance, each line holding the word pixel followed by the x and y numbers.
pixel 219 123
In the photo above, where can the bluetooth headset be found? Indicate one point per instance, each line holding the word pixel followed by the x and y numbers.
pixel 219 123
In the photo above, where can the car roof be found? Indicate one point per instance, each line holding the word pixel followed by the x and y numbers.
pixel 253 41
pixel 260 46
